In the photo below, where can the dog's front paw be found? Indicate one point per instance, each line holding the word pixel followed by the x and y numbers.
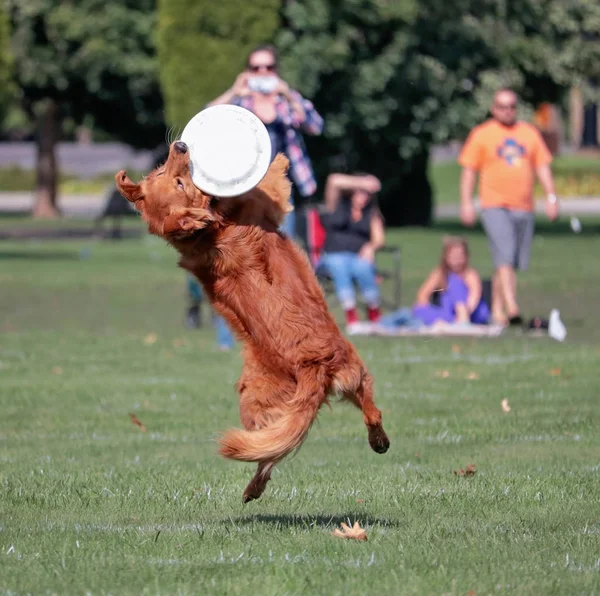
pixel 250 496
pixel 378 440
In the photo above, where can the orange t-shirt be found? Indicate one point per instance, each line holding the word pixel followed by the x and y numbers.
pixel 506 158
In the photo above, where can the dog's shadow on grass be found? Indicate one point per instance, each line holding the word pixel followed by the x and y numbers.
pixel 311 521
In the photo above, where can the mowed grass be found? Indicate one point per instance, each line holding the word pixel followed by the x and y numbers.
pixel 574 176
pixel 92 331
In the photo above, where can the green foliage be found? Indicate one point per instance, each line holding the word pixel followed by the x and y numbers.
pixel 541 48
pixel 392 78
pixel 7 88
pixel 94 58
pixel 202 46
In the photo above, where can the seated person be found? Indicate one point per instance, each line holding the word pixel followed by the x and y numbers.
pixel 354 232
pixel 459 285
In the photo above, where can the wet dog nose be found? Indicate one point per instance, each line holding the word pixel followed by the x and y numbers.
pixel 181 147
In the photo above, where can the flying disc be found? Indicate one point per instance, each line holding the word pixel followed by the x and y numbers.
pixel 230 150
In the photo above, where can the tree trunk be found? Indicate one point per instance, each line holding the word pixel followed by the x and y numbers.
pixel 409 197
pixel 47 168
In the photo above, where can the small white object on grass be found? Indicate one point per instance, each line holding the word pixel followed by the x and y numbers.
pixel 230 150
pixel 556 328
pixel 575 224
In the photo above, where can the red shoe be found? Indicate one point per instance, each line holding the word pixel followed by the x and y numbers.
pixel 351 316
pixel 374 314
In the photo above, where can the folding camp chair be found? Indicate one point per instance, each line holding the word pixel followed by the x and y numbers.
pixel 311 232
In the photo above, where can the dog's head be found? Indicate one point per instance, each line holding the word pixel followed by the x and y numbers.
pixel 175 208
pixel 167 198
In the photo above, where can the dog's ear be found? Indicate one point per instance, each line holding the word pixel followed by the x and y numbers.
pixel 182 222
pixel 131 191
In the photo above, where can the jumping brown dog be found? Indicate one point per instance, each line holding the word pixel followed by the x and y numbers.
pixel 295 356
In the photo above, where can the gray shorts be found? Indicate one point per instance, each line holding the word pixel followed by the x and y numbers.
pixel 509 234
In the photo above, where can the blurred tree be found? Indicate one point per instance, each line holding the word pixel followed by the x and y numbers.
pixel 7 88
pixel 202 47
pixel 86 59
pixel 393 78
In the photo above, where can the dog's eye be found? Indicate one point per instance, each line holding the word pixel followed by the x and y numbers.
pixel 180 183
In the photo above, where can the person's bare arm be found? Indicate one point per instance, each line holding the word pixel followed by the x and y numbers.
pixel 376 241
pixel 473 282
pixel 333 192
pixel 429 286
pixel 468 178
pixel 224 98
pixel 544 174
pixel 338 183
pixel 377 232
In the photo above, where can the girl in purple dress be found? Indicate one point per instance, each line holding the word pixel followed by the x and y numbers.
pixel 459 287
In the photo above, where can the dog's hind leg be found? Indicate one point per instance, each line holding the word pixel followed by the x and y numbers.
pixel 257 485
pixel 256 395
pixel 253 420
pixel 362 397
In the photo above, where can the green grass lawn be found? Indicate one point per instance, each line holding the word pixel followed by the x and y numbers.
pixel 92 331
pixel 574 176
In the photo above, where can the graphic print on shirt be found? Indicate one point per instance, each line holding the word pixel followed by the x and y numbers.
pixel 511 152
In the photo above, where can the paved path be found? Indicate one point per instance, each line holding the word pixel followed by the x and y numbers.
pixel 82 160
pixel 84 206
pixel 579 206
pixel 89 206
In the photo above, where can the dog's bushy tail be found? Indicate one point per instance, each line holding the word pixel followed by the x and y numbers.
pixel 285 434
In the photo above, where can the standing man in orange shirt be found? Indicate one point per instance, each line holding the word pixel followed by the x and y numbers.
pixel 507 154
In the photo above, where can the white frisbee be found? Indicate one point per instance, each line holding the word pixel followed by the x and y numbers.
pixel 230 150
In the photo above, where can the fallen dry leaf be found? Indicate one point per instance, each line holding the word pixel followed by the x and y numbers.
pixel 456 348
pixel 472 376
pixel 505 406
pixel 444 374
pixel 360 500
pixel 554 372
pixel 57 370
pixel 135 420
pixel 178 343
pixel 150 339
pixel 469 471
pixel 353 533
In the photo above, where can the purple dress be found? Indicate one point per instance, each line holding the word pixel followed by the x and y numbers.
pixel 456 291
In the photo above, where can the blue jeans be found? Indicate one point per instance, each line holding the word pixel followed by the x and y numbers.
pixel 224 335
pixel 346 268
pixel 288 225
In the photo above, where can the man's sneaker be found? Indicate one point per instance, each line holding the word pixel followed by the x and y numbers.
pixel 556 328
